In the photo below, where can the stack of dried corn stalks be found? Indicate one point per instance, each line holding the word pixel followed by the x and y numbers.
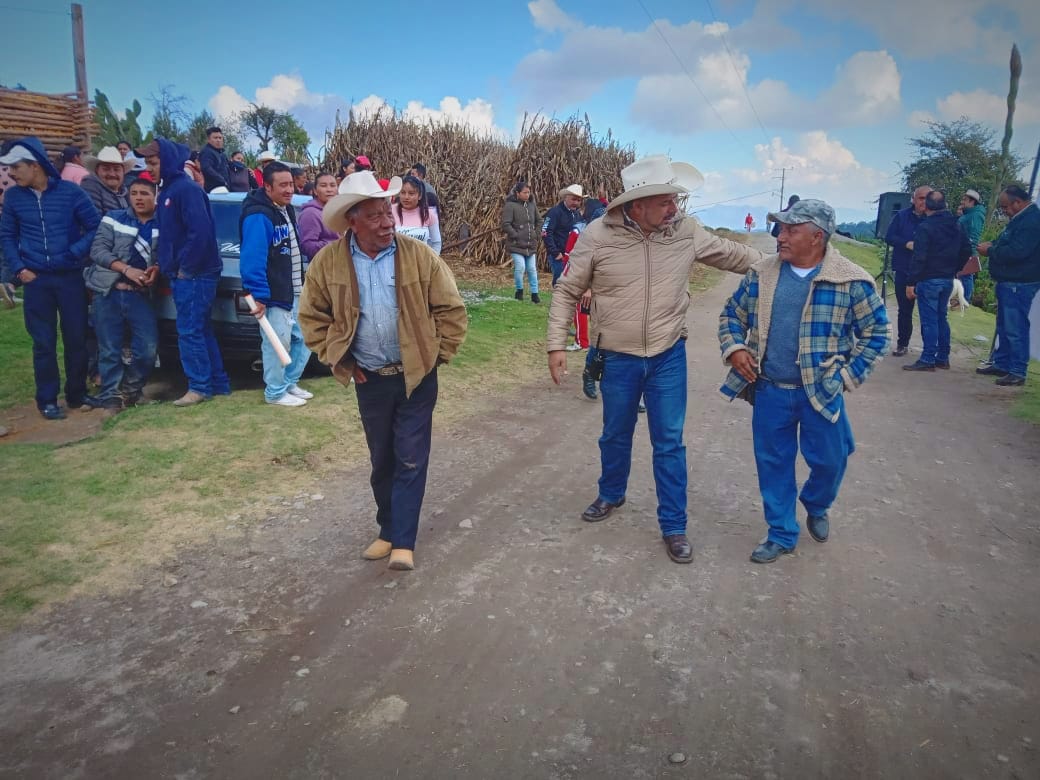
pixel 474 172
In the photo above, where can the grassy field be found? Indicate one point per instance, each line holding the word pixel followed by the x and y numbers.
pixel 157 476
pixel 964 330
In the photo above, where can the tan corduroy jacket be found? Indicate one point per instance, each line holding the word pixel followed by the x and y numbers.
pixel 640 284
pixel 431 317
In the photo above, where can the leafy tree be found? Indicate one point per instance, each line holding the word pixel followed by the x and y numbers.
pixel 290 139
pixel 113 129
pixel 169 113
pixel 260 120
pixel 956 156
pixel 196 132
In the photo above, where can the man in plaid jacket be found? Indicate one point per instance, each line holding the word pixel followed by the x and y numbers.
pixel 804 326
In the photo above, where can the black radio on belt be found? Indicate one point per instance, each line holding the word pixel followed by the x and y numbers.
pixel 596 366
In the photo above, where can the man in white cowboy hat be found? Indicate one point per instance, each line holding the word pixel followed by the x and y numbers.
pixel 104 185
pixel 973 220
pixel 383 309
pixel 636 260
pixel 559 221
pixel 263 159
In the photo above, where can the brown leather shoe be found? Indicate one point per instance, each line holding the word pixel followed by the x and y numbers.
pixel 679 549
pixel 600 510
pixel 377 550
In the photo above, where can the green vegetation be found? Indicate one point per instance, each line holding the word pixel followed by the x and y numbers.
pixel 156 476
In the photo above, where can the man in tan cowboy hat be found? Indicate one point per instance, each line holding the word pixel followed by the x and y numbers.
pixel 636 260
pixel 104 185
pixel 559 221
pixel 383 309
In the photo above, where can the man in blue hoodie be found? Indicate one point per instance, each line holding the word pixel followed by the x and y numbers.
pixel 189 258
pixel 271 264
pixel 900 237
pixel 46 231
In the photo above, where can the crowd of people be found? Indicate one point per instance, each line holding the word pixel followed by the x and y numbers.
pixel 933 249
pixel 356 278
pixel 90 245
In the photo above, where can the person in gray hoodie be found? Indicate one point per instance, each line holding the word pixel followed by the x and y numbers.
pixel 313 232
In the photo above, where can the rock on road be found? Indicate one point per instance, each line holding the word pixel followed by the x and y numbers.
pixel 531 644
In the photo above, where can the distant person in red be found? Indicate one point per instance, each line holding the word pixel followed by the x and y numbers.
pixel 749 222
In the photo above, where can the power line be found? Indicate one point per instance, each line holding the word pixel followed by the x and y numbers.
pixel 743 82
pixel 687 72
pixel 702 206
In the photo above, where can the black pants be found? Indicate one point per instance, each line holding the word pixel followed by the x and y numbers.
pixel 398 431
pixel 905 326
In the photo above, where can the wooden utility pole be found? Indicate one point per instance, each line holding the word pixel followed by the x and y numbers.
pixel 79 54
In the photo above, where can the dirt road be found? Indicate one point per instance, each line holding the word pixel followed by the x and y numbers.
pixel 531 644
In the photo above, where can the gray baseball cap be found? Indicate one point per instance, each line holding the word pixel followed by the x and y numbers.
pixel 815 211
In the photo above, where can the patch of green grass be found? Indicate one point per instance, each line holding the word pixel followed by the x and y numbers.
pixel 16 378
pixel 964 330
pixel 156 476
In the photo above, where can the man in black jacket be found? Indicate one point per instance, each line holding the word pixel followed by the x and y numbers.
pixel 941 248
pixel 560 220
pixel 214 163
pixel 271 264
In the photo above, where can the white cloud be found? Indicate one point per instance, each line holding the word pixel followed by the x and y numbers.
pixel 987 107
pixel 818 166
pixel 548 16
pixel 317 112
pixel 917 119
pixel 672 88
pixel 964 30
pixel 866 90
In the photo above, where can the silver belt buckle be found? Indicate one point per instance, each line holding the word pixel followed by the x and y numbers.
pixel 391 370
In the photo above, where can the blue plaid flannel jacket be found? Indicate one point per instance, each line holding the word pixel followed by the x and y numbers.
pixel 843 334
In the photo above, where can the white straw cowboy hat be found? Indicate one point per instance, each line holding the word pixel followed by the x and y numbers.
pixel 265 156
pixel 656 175
pixel 108 154
pixel 573 189
pixel 352 190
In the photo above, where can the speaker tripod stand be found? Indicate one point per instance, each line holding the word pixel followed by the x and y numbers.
pixel 885 277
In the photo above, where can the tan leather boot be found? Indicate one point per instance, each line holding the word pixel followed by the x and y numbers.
pixel 378 549
pixel 401 560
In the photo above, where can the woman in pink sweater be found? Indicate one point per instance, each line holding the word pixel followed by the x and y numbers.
pixel 414 217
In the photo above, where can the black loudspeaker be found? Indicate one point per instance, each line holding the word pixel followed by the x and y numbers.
pixel 889 204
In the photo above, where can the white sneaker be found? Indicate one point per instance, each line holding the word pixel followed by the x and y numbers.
pixel 574 348
pixel 299 392
pixel 287 400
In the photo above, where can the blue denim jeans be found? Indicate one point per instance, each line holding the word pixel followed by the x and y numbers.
pixel 522 265
pixel 278 378
pixel 200 355
pixel 1014 300
pixel 661 382
pixel 933 303
pixel 398 430
pixel 782 419
pixel 969 286
pixel 557 269
pixel 115 313
pixel 45 299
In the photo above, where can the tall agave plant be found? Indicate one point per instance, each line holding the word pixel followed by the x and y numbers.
pixel 1005 146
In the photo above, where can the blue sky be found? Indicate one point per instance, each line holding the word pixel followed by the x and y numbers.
pixel 829 89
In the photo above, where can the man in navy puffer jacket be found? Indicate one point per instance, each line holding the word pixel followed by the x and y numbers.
pixel 46 231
